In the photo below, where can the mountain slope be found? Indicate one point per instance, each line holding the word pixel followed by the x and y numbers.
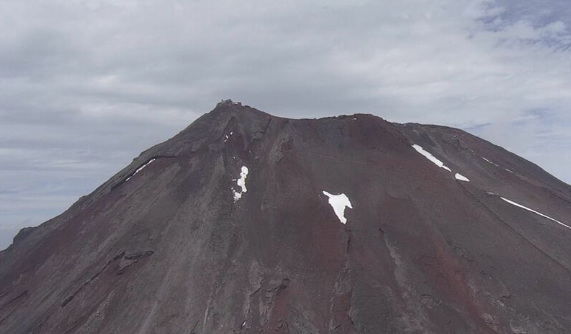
pixel 235 226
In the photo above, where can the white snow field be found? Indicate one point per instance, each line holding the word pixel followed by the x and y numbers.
pixel 241 182
pixel 461 177
pixel 430 157
pixel 537 213
pixel 140 169
pixel 339 203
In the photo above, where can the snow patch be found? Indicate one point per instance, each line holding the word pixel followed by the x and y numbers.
pixel 537 213
pixel 461 177
pixel 495 164
pixel 339 203
pixel 226 137
pixel 241 182
pixel 236 195
pixel 490 162
pixel 140 169
pixel 430 157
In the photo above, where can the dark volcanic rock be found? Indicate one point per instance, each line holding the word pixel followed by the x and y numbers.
pixel 165 247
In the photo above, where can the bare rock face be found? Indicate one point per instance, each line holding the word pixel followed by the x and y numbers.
pixel 249 223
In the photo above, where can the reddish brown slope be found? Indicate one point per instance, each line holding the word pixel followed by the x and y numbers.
pixel 169 251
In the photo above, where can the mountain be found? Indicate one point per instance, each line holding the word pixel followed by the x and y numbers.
pixel 249 223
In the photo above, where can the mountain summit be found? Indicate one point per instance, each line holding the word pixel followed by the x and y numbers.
pixel 249 223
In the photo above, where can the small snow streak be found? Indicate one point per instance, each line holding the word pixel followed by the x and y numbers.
pixel 140 169
pixel 237 195
pixel 490 162
pixel 339 203
pixel 537 213
pixel 461 177
pixel 430 157
pixel 495 164
pixel 226 137
pixel 241 182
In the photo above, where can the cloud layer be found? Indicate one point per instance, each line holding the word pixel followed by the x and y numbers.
pixel 86 85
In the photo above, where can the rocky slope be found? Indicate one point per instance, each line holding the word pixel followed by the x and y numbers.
pixel 249 223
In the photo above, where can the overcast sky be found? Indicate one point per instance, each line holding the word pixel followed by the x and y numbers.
pixel 85 86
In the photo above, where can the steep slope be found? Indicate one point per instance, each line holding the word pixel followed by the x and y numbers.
pixel 249 223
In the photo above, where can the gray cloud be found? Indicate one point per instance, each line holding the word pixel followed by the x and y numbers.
pixel 85 86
